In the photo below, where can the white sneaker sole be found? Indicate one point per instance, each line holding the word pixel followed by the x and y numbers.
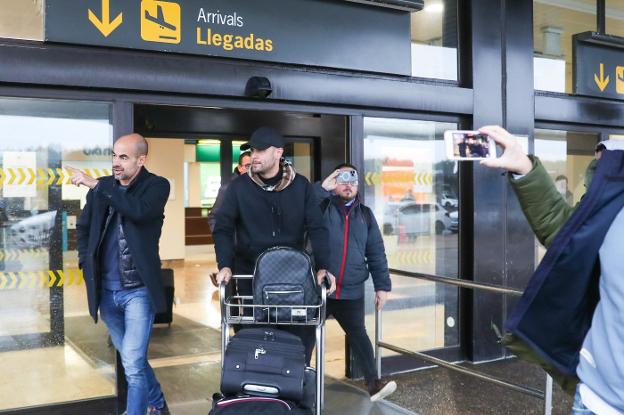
pixel 387 390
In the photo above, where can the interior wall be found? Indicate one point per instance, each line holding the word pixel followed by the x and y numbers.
pixel 194 190
pixel 166 158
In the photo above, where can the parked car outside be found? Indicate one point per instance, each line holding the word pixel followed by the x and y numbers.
pixel 425 219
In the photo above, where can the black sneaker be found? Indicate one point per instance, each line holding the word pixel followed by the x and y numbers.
pixel 381 389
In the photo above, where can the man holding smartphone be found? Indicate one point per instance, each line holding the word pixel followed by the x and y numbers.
pixel 357 251
pixel 572 312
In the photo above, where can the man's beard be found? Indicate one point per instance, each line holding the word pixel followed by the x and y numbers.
pixel 347 199
pixel 263 169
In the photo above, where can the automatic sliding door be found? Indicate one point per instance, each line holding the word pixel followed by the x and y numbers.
pixel 413 191
pixel 50 349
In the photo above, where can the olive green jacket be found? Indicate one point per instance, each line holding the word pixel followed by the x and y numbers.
pixel 546 211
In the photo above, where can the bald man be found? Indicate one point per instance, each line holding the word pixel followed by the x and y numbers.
pixel 117 234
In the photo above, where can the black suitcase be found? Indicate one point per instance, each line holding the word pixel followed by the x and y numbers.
pixel 283 276
pixel 166 317
pixel 264 362
pixel 254 405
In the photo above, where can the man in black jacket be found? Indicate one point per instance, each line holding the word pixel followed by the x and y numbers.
pixel 244 163
pixel 357 253
pixel 117 235
pixel 270 206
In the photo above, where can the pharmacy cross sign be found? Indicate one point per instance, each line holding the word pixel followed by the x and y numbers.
pixel 598 66
pixel 324 33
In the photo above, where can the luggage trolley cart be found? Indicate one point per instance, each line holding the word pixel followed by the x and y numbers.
pixel 239 309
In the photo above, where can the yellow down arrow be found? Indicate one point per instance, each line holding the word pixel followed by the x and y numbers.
pixel 105 25
pixel 602 82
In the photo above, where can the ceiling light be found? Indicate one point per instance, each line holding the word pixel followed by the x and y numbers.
pixel 208 142
pixel 434 8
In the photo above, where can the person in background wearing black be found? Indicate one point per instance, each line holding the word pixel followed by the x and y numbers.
pixel 244 163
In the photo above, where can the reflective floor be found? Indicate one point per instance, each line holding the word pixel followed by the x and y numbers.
pixel 185 355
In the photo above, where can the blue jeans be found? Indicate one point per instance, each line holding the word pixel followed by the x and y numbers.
pixel 577 407
pixel 129 315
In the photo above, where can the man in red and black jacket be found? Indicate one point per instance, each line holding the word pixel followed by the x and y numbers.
pixel 356 251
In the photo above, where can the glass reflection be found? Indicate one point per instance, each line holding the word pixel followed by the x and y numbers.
pixel 45 328
pixel 413 191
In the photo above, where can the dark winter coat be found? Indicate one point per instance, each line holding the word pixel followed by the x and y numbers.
pixel 553 316
pixel 141 207
pixel 262 219
pixel 356 247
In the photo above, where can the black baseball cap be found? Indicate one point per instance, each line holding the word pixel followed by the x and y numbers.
pixel 263 138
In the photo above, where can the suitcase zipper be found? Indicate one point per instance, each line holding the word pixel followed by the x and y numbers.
pixel 266 293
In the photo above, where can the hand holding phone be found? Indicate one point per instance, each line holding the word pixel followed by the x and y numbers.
pixel 469 145
pixel 513 159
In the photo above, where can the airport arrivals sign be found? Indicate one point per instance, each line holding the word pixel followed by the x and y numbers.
pixel 324 33
pixel 598 66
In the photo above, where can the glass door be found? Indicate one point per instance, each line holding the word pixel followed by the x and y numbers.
pixel 413 191
pixel 51 350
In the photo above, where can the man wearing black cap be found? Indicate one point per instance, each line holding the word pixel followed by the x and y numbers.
pixel 270 206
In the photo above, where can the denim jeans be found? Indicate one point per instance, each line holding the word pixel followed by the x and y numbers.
pixel 129 315
pixel 577 407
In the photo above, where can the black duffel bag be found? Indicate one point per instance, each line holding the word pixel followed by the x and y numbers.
pixel 284 277
pixel 264 362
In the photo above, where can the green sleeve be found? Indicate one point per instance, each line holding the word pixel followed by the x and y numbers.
pixel 545 209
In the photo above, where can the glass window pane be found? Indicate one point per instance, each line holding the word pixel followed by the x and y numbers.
pixel 413 191
pixel 565 155
pixel 434 40
pixel 554 24
pixel 45 326
pixel 21 19
pixel 615 17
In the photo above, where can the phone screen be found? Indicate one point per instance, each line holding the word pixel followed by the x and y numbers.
pixel 470 145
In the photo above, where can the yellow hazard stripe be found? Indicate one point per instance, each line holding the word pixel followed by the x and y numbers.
pixel 49 177
pixel 19 280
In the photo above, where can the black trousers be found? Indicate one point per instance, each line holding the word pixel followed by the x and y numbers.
pixel 350 316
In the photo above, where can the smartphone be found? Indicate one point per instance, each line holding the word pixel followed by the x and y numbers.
pixel 468 145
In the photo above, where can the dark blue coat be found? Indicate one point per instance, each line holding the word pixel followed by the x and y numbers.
pixel 356 252
pixel 555 312
pixel 141 207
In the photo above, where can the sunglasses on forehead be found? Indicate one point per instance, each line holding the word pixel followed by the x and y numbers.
pixel 349 176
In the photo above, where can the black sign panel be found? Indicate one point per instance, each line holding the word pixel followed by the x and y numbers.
pixel 598 68
pixel 322 33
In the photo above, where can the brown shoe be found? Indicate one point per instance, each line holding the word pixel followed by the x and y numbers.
pixel 381 389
